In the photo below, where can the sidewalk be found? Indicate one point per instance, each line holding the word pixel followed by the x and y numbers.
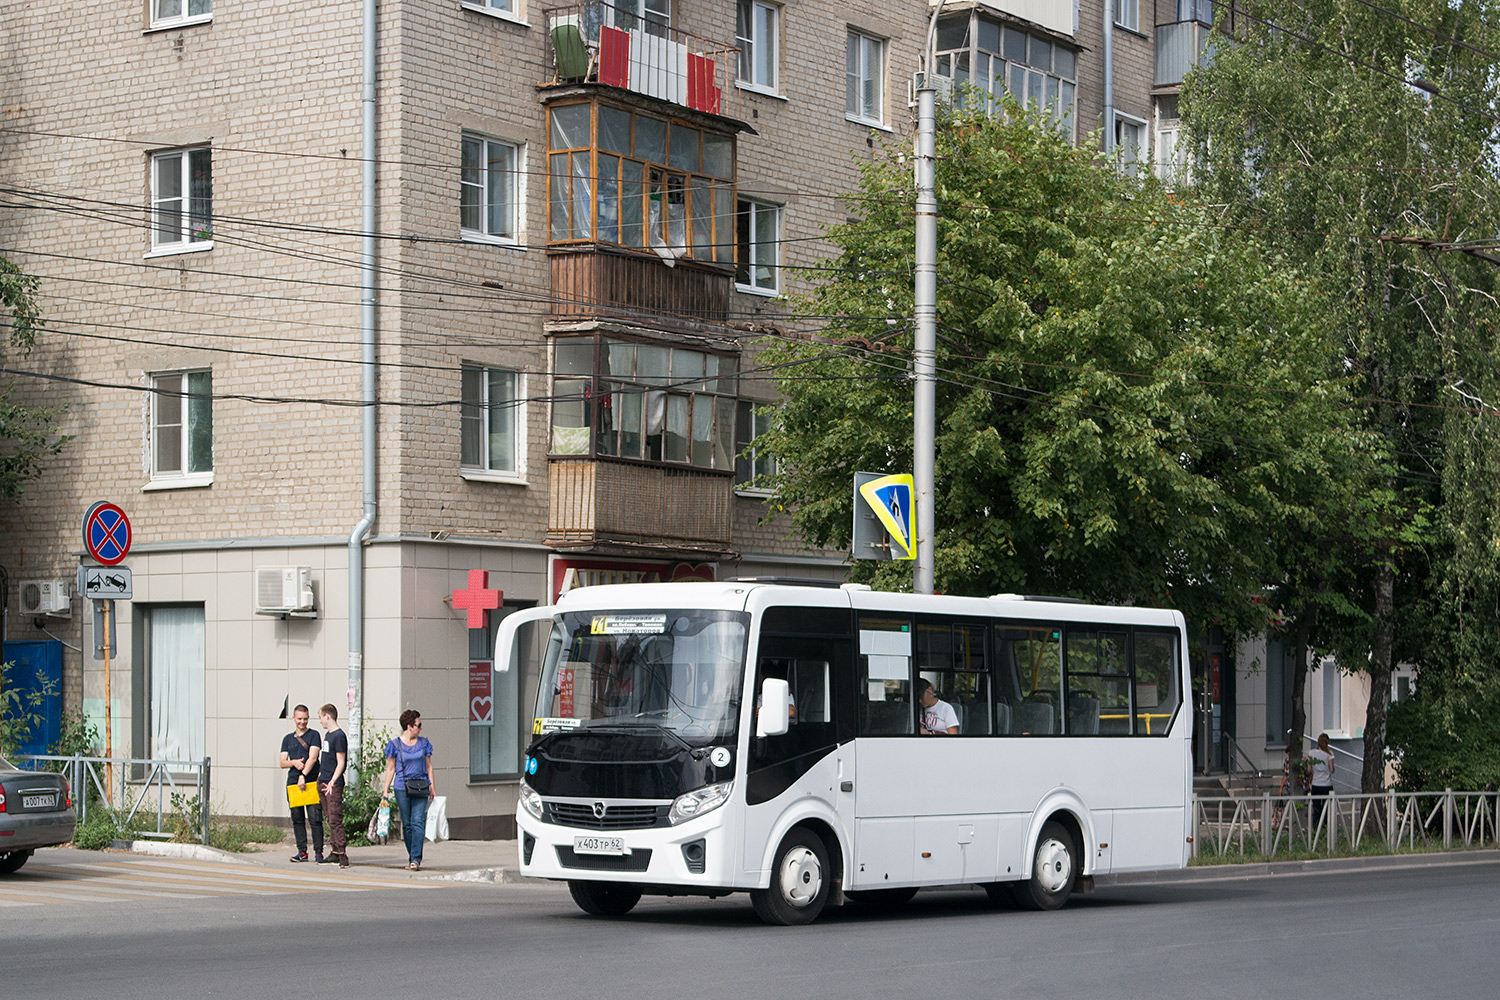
pixel 452 860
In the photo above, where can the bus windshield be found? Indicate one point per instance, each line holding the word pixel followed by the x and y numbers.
pixel 678 670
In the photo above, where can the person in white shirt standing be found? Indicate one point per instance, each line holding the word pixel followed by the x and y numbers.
pixel 1322 774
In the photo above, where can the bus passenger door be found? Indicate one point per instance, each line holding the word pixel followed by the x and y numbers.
pixel 805 763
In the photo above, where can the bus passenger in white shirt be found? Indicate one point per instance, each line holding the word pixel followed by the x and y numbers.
pixel 938 717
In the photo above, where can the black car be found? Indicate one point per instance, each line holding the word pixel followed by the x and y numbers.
pixel 36 810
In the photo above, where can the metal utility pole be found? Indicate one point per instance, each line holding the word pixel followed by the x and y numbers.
pixel 924 357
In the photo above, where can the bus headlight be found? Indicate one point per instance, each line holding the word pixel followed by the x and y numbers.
pixel 699 801
pixel 530 800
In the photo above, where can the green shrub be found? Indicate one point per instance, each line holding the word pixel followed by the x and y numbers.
pixel 97 834
pixel 239 836
pixel 362 796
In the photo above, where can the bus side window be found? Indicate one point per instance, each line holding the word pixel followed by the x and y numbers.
pixel 884 694
pixel 1029 690
pixel 1157 692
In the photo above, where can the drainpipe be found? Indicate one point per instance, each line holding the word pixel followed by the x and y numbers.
pixel 369 295
pixel 1109 75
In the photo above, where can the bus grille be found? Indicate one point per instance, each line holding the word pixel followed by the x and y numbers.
pixel 635 861
pixel 615 817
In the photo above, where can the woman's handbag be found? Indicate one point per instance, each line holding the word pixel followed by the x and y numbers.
pixel 418 786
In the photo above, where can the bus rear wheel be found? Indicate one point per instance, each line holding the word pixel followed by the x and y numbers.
pixel 605 899
pixel 1054 870
pixel 799 882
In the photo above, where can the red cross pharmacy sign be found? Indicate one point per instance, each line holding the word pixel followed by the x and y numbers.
pixel 106 533
pixel 477 599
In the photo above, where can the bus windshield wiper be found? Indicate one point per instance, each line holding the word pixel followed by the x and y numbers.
pixel 630 726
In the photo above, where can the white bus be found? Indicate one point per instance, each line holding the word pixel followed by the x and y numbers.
pixel 790 741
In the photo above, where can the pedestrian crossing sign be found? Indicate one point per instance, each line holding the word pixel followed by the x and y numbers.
pixel 889 498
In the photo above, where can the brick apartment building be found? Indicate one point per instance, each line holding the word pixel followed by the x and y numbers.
pixel 583 219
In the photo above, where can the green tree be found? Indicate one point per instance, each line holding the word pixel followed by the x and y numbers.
pixel 1306 126
pixel 1134 401
pixel 28 434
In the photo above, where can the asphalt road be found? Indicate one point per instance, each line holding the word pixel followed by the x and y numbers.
pixel 1403 933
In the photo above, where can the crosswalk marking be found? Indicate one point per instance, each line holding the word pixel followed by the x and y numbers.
pixel 111 881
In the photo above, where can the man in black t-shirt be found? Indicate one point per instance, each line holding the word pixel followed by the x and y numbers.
pixel 332 763
pixel 299 755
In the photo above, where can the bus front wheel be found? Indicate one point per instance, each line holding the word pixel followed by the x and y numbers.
pixel 799 882
pixel 1054 870
pixel 605 899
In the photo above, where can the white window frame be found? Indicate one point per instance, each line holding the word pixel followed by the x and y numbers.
pixel 858 46
pixel 1132 166
pixel 754 45
pixel 517 171
pixel 755 208
pixel 180 19
pixel 181 477
pixel 746 448
pixel 505 10
pixel 1128 14
pixel 192 238
pixel 487 471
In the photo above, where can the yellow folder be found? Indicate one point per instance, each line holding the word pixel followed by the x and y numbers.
pixel 302 797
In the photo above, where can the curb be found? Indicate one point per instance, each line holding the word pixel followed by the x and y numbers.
pixel 1322 866
pixel 193 852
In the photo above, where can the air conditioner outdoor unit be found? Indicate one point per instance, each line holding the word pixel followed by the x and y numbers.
pixel 284 590
pixel 46 597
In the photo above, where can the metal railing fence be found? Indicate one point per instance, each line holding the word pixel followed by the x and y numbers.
pixel 1269 825
pixel 135 779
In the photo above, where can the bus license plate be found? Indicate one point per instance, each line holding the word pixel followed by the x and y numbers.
pixel 599 845
pixel 39 801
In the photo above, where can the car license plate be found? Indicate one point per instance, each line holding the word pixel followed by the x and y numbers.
pixel 39 801
pixel 599 845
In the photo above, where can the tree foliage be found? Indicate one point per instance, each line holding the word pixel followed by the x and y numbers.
pixel 28 435
pixel 1308 129
pixel 1134 404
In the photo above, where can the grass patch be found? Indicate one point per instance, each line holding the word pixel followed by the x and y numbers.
pixel 1369 848
pixel 239 837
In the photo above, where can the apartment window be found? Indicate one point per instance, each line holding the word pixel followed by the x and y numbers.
pixel 488 203
pixel 639 181
pixel 864 77
pixel 1128 14
pixel 166 13
pixel 182 199
pixel 1039 73
pixel 182 426
pixel 757 30
pixel 758 238
pixel 1130 144
pixel 643 401
pixel 499 6
pixel 168 721
pixel 1201 11
pixel 489 415
pixel 750 463
pixel 1172 166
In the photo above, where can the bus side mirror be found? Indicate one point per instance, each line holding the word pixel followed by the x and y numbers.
pixel 775 715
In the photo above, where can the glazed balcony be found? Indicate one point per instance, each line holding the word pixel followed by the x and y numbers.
pixel 1179 47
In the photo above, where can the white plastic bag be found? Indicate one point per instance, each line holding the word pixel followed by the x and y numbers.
pixel 437 819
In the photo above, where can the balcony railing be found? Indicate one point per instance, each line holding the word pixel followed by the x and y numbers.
pixel 594 503
pixel 599 283
pixel 597 42
pixel 1179 47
